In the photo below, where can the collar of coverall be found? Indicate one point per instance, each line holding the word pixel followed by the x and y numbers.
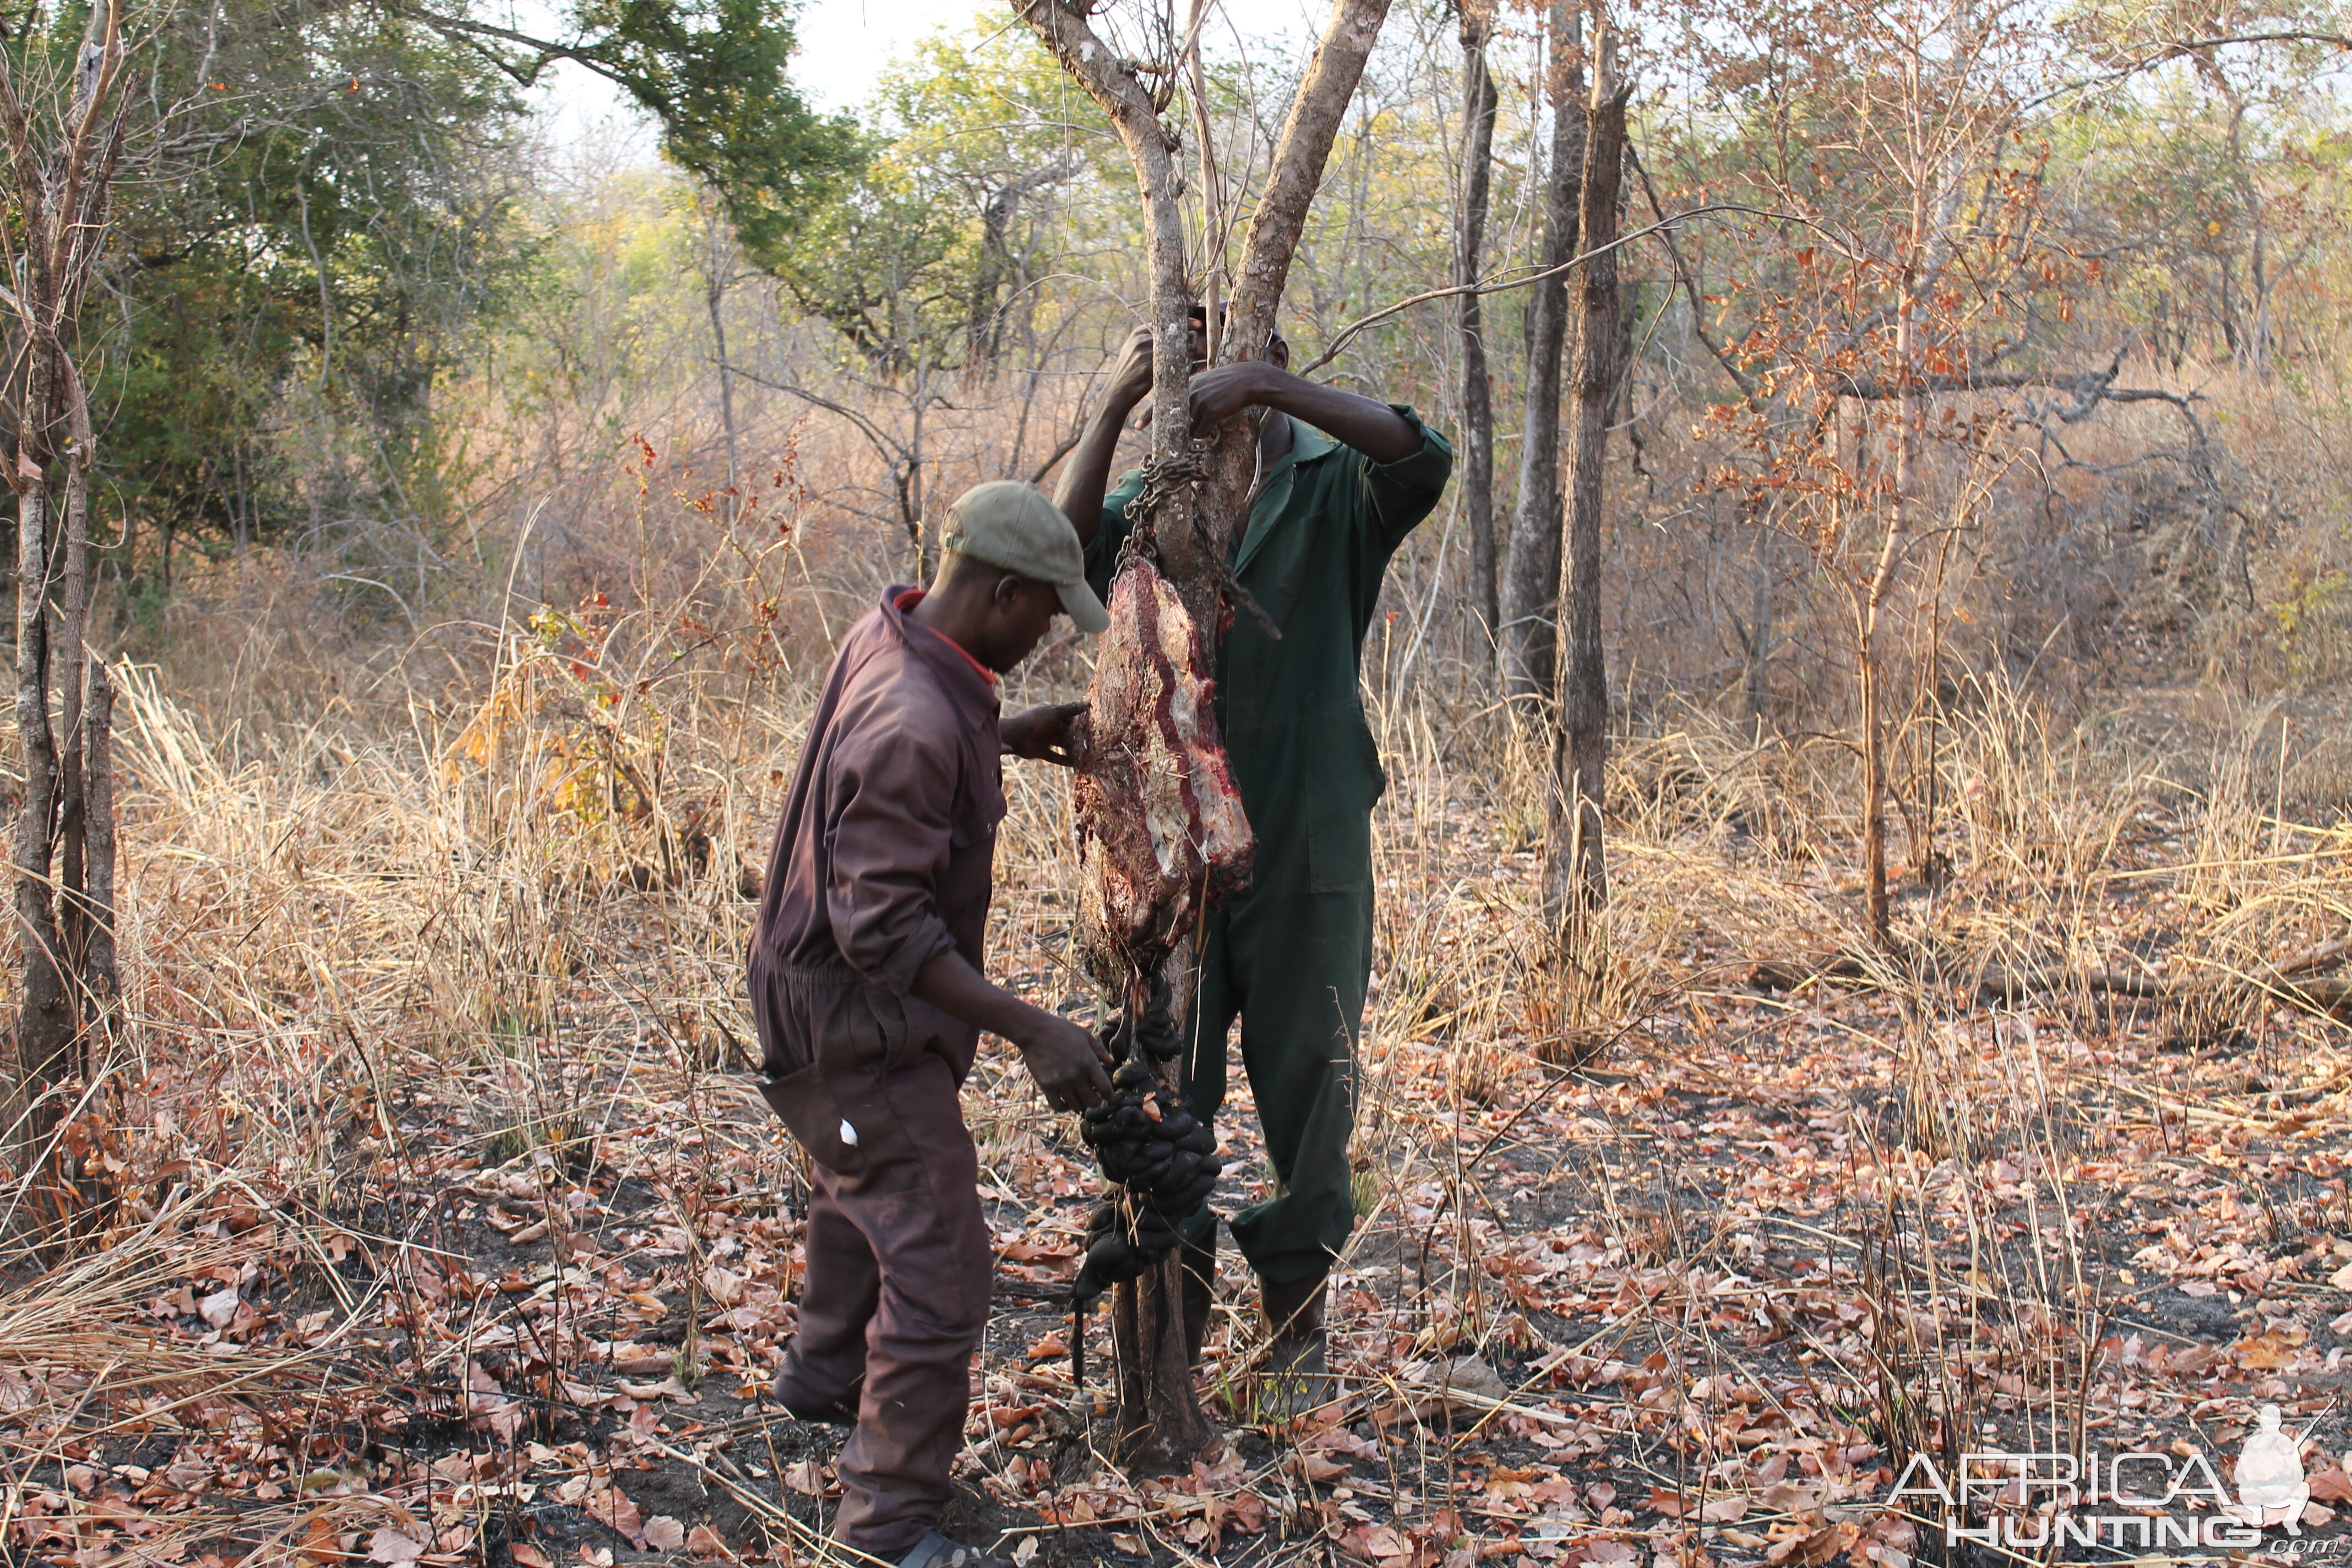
pixel 905 599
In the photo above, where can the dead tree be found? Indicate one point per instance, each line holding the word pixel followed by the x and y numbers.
pixel 1576 885
pixel 1531 579
pixel 719 274
pixel 1470 322
pixel 1000 268
pixel 1196 487
pixel 64 140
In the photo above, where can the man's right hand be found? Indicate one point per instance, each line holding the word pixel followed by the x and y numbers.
pixel 1131 373
pixel 1056 733
pixel 1066 1061
pixel 1086 475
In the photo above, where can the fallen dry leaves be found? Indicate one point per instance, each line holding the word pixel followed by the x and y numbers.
pixel 1686 1306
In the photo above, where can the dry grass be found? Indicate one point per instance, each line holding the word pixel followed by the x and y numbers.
pixel 423 990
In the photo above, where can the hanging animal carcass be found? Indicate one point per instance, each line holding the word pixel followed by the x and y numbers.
pixel 1160 827
pixel 1161 835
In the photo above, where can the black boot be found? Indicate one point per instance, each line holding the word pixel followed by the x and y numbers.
pixel 1298 1377
pixel 1200 1295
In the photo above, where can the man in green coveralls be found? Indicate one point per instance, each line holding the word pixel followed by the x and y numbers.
pixel 1343 479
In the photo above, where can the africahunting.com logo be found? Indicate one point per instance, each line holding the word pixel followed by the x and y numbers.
pixel 2138 1500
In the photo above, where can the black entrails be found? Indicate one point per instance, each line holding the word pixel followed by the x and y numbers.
pixel 1158 1160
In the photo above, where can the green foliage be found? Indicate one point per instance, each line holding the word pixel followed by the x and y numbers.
pixel 333 220
pixel 983 169
pixel 341 218
pixel 2215 183
pixel 713 73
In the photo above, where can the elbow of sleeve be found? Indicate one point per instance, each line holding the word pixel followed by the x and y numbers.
pixel 898 967
pixel 1427 467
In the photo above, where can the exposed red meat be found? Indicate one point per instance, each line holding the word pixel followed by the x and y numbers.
pixel 1159 822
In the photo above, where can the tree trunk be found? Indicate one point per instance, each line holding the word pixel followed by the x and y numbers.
pixel 1477 475
pixel 1575 887
pixel 45 1025
pixel 60 194
pixel 1199 489
pixel 1870 651
pixel 910 494
pixel 1301 150
pixel 1758 676
pixel 1531 580
pixel 1873 783
pixel 981 328
pixel 1160 1427
pixel 1214 230
pixel 714 296
pixel 73 872
pixel 101 967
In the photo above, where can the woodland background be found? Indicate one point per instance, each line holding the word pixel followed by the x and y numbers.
pixel 346 365
pixel 474 518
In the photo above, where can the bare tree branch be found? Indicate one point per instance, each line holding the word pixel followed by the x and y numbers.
pixel 1682 275
pixel 1300 152
pixel 1348 333
pixel 2165 52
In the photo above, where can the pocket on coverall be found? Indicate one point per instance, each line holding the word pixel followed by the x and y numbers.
pixel 813 1028
pixel 1339 823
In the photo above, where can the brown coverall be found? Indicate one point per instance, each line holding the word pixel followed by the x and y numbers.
pixel 882 863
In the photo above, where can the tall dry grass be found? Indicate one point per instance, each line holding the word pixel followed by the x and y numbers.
pixel 476 919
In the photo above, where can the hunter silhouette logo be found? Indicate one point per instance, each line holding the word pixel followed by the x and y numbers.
pixel 2271 1485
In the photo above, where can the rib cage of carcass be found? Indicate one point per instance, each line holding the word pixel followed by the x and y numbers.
pixel 1160 827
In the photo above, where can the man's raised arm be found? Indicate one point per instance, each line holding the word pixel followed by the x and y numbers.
pixel 1086 478
pixel 1373 428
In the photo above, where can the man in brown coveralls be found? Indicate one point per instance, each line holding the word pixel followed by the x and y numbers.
pixel 866 987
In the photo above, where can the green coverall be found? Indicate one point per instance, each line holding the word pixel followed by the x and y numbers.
pixel 1291 956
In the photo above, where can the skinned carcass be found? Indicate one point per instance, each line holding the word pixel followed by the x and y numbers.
pixel 1161 835
pixel 1160 827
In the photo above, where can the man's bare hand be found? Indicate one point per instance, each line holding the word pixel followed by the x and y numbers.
pixel 1131 373
pixel 1218 394
pixel 1130 376
pixel 1055 732
pixel 1066 1061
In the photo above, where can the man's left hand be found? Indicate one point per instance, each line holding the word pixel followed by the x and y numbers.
pixel 1053 733
pixel 1218 394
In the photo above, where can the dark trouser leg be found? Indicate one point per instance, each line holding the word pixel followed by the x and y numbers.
pixel 799 1016
pixel 824 1366
pixel 898 1253
pixel 1214 1006
pixel 1301 959
pixel 917 1203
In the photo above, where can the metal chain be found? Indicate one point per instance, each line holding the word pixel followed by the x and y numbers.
pixel 1163 477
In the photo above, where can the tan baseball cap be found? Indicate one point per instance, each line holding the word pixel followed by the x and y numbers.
pixel 1009 523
